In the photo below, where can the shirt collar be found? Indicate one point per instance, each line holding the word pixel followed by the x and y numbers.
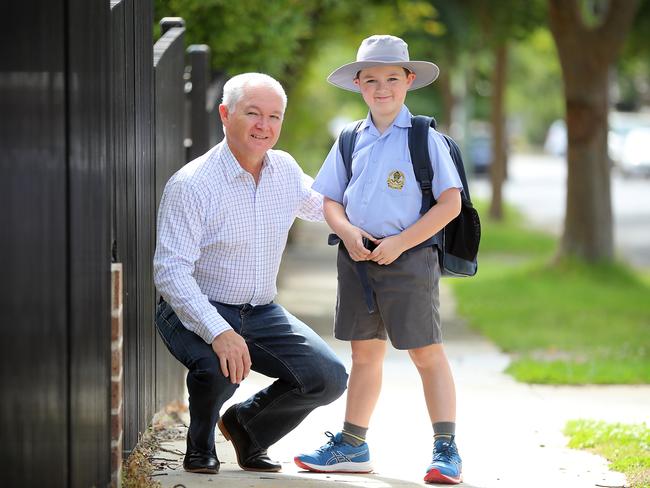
pixel 403 119
pixel 232 167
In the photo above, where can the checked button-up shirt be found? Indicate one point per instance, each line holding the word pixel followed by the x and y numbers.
pixel 221 236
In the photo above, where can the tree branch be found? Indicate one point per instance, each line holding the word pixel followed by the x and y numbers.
pixel 620 16
pixel 564 19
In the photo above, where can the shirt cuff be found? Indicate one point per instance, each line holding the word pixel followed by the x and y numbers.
pixel 213 326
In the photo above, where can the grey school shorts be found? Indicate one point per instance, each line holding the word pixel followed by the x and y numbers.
pixel 406 300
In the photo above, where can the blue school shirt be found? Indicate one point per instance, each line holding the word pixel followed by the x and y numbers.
pixel 383 197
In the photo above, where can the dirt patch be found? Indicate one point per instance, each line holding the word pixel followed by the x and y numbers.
pixel 144 463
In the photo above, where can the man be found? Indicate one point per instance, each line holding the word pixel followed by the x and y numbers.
pixel 222 228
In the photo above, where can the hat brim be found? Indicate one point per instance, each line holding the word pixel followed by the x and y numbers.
pixel 425 73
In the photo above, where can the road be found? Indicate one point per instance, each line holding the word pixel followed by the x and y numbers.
pixel 537 186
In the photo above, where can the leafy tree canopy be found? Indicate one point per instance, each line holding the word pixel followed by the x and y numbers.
pixel 252 35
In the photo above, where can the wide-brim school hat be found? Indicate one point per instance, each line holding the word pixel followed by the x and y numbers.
pixel 383 50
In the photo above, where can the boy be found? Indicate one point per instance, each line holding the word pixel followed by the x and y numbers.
pixel 376 214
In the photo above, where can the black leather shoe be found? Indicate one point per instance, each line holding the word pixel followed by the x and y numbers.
pixel 249 457
pixel 200 462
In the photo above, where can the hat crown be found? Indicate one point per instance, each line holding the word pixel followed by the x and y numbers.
pixel 383 48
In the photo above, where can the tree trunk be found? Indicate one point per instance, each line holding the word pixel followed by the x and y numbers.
pixel 586 55
pixel 498 166
pixel 588 227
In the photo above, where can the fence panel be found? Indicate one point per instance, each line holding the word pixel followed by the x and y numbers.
pixel 81 183
pixel 145 206
pixel 204 127
pixel 134 201
pixel 169 66
pixel 89 243
pixel 56 242
pixel 124 149
pixel 33 246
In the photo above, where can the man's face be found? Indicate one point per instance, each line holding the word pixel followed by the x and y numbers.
pixel 253 126
pixel 384 88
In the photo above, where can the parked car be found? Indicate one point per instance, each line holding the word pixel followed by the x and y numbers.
pixel 634 156
pixel 556 138
pixel 628 141
pixel 479 152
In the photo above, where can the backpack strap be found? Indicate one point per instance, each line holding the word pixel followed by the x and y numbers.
pixel 454 152
pixel 347 140
pixel 419 148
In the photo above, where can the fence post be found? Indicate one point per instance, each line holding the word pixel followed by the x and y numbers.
pixel 167 23
pixel 169 119
pixel 199 70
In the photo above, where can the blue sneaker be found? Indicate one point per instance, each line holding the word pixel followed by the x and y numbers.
pixel 336 456
pixel 446 466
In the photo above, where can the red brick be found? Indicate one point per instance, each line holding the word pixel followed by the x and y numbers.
pixel 116 393
pixel 116 285
pixel 116 362
pixel 116 424
pixel 116 465
pixel 116 327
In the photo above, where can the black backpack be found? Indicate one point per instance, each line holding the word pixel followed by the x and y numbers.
pixel 458 241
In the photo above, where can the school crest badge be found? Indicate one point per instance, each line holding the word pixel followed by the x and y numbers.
pixel 396 180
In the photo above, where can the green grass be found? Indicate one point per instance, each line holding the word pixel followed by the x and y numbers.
pixel 626 446
pixel 563 323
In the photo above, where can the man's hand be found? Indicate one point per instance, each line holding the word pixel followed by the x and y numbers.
pixel 232 351
pixel 388 250
pixel 353 240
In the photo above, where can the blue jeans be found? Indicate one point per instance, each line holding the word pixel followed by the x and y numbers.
pixel 308 372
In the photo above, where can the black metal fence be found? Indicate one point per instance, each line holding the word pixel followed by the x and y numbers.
pixel 134 193
pixel 204 91
pixel 55 245
pixel 91 126
pixel 169 108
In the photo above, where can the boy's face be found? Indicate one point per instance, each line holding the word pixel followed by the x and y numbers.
pixel 384 88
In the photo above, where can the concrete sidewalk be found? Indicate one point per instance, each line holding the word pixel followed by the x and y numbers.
pixel 509 434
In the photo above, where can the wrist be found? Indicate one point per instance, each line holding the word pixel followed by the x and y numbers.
pixel 344 229
pixel 402 243
pixel 220 334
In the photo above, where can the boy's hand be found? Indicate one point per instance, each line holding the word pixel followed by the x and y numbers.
pixel 388 250
pixel 353 240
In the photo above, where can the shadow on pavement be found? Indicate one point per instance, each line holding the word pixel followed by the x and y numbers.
pixel 234 479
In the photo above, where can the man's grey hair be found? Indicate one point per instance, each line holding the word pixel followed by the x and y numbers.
pixel 233 90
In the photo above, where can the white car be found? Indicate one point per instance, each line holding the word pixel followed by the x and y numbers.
pixel 628 141
pixel 634 156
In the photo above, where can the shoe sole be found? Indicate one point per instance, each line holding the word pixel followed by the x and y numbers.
pixel 202 470
pixel 228 437
pixel 365 468
pixel 435 476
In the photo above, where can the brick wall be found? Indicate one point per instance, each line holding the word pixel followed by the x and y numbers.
pixel 117 376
